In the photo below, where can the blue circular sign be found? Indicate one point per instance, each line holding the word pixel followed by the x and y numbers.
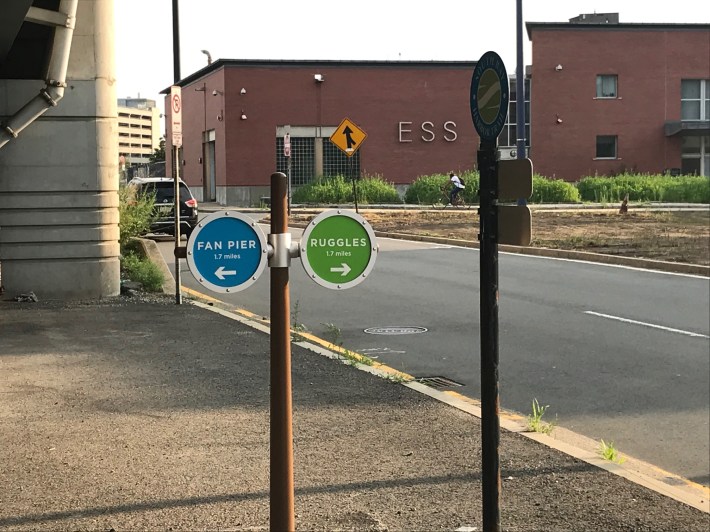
pixel 227 252
pixel 489 96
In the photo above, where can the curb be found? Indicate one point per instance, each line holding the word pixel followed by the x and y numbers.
pixel 563 440
pixel 647 264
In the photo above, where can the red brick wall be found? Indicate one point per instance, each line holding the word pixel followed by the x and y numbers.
pixel 650 65
pixel 376 98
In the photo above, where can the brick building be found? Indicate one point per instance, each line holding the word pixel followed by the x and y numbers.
pixel 609 97
pixel 604 97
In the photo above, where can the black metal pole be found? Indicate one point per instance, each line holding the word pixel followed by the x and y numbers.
pixel 354 178
pixel 519 87
pixel 176 42
pixel 490 410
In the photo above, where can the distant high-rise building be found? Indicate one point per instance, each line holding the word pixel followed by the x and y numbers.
pixel 138 129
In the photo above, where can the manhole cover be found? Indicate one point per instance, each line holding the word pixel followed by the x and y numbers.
pixel 396 330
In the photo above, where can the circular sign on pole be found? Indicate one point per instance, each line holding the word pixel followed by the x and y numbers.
pixel 227 251
pixel 338 249
pixel 489 96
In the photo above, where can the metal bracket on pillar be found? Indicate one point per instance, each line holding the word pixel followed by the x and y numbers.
pixel 282 250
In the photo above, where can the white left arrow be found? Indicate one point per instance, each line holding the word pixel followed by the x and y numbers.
pixel 344 269
pixel 221 272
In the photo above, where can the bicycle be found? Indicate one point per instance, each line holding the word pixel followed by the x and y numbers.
pixel 444 199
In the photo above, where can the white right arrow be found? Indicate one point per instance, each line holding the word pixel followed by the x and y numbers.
pixel 345 269
pixel 221 272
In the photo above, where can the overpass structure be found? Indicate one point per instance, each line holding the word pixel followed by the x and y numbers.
pixel 58 150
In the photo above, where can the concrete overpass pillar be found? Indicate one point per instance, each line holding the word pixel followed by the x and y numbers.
pixel 59 178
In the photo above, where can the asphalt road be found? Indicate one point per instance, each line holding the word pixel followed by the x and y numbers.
pixel 619 354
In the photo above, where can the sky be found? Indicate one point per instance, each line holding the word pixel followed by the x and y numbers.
pixel 383 30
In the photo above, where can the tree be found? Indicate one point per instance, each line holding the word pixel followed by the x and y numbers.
pixel 159 154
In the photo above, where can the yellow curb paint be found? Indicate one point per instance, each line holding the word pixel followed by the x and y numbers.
pixel 204 297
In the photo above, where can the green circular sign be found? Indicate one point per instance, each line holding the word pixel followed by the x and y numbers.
pixel 338 249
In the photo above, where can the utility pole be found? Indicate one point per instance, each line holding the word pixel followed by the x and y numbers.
pixel 176 42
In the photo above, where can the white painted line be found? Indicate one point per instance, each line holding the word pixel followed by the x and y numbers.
pixel 626 320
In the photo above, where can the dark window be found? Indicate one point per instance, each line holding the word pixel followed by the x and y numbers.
pixel 606 147
pixel 164 192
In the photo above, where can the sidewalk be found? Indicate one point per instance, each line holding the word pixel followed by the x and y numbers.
pixel 139 414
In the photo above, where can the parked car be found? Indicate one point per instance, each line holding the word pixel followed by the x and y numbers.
pixel 164 190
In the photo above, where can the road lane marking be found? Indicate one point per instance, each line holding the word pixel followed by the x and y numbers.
pixel 626 320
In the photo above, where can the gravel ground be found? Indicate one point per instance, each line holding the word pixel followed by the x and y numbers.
pixel 138 414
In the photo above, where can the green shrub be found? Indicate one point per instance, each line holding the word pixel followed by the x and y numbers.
pixel 645 187
pixel 135 213
pixel 338 189
pixel 139 269
pixel 426 190
pixel 553 191
pixel 374 189
pixel 690 189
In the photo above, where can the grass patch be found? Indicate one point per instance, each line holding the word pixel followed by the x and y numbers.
pixel 138 269
pixel 535 422
pixel 608 452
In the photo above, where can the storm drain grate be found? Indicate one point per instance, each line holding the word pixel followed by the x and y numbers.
pixel 438 382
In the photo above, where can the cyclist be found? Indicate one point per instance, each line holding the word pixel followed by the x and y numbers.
pixel 456 187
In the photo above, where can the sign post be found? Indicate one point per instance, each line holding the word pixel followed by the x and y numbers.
pixel 287 154
pixel 489 108
pixel 227 252
pixel 348 137
pixel 281 484
pixel 176 124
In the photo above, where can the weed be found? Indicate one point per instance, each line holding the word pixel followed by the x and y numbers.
pixel 296 325
pixel 139 269
pixel 535 422
pixel 352 359
pixel 333 334
pixel 397 378
pixel 608 452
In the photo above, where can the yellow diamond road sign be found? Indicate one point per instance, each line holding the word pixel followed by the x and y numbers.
pixel 348 137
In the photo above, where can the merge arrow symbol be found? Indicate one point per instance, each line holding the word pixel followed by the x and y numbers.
pixel 221 272
pixel 344 269
pixel 348 137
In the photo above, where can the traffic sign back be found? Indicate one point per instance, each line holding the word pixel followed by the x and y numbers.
pixel 227 251
pixel 515 179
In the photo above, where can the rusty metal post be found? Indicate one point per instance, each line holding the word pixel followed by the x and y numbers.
pixel 282 516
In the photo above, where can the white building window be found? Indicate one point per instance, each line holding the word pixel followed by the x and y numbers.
pixel 607 86
pixel 695 99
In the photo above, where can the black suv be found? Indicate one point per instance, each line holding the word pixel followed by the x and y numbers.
pixel 164 190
